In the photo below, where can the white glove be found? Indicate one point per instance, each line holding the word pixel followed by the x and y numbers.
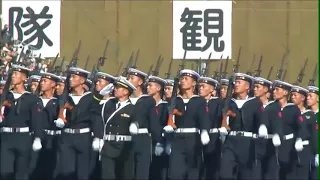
pixel 276 140
pixel 298 145
pixel 36 146
pixel 59 123
pixel 0 119
pixel 97 144
pixel 107 89
pixel 316 160
pixel 168 129
pixel 158 149
pixel 168 149
pixel 263 131
pixel 205 139
pixel 223 131
pixel 133 128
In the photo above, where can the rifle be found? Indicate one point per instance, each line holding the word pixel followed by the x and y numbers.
pixel 258 71
pixel 150 69
pixel 205 70
pixel 63 99
pixel 134 65
pixel 87 61
pixel 155 72
pixel 92 77
pixel 301 73
pixel 226 106
pixel 270 71
pixel 125 70
pixel 3 98
pixel 102 59
pixel 249 72
pixel 314 76
pixel 198 65
pixel 236 66
pixel 280 71
pixel 216 72
pixel 168 73
pixel 224 74
pixel 51 68
pixel 173 101
pixel 75 57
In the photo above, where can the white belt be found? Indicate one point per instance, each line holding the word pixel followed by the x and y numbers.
pixel 214 130
pixel 187 130
pixel 112 137
pixel 52 132
pixel 243 133
pixel 14 130
pixel 306 142
pixel 143 131
pixel 76 131
pixel 288 136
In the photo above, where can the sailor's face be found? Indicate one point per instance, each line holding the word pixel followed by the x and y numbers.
pixel 205 89
pixel 312 99
pixel 47 84
pixel 34 86
pixel 18 77
pixel 279 93
pixel 241 86
pixel 223 91
pixel 168 91
pixel 1 89
pixel 186 82
pixel 101 83
pixel 120 91
pixel 260 90
pixel 135 80
pixel 297 98
pixel 60 88
pixel 153 88
pixel 76 80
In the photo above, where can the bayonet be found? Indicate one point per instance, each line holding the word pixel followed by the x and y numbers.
pixel 87 61
pixel 225 71
pixel 236 66
pixel 301 74
pixel 150 70
pixel 258 71
pixel 314 76
pixel 155 72
pixel 52 66
pixel 119 68
pixel 103 58
pixel 129 64
pixel 167 75
pixel 136 59
pixel 284 75
pixel 280 71
pixel 270 71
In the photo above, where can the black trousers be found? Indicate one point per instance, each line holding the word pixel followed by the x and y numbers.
pixel 142 148
pixel 159 167
pixel 117 168
pixel 15 155
pixel 74 152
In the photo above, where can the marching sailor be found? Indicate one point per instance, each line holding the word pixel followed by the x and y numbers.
pixel 60 85
pixel 238 150
pixel 302 167
pixel 18 120
pixel 168 89
pixel 34 82
pixel 47 157
pixel 313 104
pixel 147 121
pixel 264 147
pixel 75 140
pixel 190 131
pixel 288 130
pixel 159 165
pixel 212 151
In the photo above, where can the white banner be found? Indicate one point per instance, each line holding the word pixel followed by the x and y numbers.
pixel 35 23
pixel 201 28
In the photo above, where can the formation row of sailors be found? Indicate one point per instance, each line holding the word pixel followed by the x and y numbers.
pixel 120 132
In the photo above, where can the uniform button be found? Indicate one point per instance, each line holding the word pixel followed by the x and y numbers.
pixel 118 126
pixel 109 132
pixel 110 125
pixel 117 133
